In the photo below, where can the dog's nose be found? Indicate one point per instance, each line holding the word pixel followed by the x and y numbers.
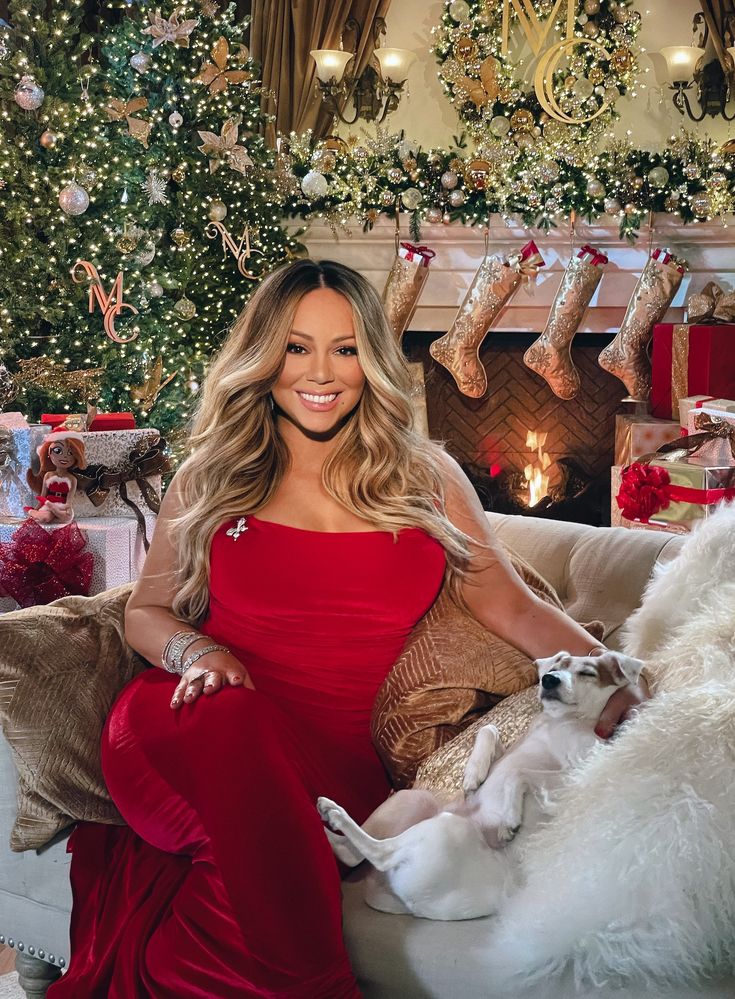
pixel 549 681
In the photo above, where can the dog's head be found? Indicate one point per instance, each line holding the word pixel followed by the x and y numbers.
pixel 582 685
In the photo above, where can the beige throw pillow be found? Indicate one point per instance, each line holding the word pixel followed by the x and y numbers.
pixel 451 670
pixel 61 667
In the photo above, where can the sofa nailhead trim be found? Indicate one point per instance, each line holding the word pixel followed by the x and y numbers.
pixel 31 951
pixel 11 942
pixel 2 939
pixel 20 946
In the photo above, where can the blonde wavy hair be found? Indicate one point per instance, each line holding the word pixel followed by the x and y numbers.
pixel 380 468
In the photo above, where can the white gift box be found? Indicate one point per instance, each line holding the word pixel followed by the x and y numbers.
pixel 112 449
pixel 17 445
pixel 115 542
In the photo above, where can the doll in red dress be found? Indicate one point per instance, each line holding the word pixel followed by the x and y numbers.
pixel 55 485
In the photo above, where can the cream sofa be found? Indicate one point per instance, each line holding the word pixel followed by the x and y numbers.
pixel 599 573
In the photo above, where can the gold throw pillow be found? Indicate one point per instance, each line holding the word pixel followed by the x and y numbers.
pixel 61 667
pixel 451 670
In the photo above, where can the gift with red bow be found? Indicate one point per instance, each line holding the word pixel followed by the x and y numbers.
pixel 38 565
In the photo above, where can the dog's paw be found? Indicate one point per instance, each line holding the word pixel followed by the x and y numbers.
pixel 332 813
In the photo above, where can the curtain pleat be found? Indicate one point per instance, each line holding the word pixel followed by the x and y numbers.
pixel 282 33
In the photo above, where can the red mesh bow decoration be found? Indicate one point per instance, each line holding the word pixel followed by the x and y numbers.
pixel 643 491
pixel 38 566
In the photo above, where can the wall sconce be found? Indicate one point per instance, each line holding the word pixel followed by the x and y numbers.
pixel 686 65
pixel 376 93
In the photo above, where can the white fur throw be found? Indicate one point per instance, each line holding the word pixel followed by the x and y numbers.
pixel 633 879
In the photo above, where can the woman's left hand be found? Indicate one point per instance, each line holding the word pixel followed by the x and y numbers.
pixel 623 703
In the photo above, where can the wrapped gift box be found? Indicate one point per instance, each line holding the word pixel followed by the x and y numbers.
pixel 115 542
pixel 616 516
pixel 692 403
pixel 691 360
pixel 637 435
pixel 99 421
pixel 113 451
pixel 677 491
pixel 719 450
pixel 16 448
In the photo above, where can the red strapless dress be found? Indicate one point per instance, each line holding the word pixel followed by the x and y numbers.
pixel 223 884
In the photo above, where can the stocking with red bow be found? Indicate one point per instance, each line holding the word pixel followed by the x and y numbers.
pixel 405 283
pixel 627 356
pixel 550 356
pixel 492 287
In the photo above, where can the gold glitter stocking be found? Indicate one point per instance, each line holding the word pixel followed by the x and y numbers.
pixel 550 356
pixel 405 283
pixel 627 357
pixel 492 286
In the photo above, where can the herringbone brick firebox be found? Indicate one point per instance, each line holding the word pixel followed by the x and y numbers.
pixel 491 433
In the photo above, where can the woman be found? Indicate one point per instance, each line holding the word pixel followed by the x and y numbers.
pixel 297 546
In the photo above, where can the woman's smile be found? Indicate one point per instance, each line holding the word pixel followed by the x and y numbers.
pixel 319 401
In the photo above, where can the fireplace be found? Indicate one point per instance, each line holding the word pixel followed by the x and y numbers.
pixel 493 437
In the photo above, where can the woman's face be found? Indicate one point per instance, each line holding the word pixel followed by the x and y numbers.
pixel 60 456
pixel 321 381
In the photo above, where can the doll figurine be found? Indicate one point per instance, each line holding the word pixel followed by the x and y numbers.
pixel 55 484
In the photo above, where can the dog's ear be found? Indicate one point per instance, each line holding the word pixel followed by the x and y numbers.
pixel 618 668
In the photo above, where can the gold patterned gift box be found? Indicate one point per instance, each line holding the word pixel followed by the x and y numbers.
pixel 637 435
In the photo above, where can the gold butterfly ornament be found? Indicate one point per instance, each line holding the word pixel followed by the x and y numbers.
pixel 137 127
pixel 215 74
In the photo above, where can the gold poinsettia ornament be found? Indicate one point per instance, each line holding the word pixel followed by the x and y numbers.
pixel 223 148
pixel 138 128
pixel 215 74
pixel 171 30
pixel 487 88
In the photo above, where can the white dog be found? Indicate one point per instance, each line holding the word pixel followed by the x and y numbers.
pixel 444 862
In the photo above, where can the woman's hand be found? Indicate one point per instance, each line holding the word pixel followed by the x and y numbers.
pixel 621 706
pixel 208 675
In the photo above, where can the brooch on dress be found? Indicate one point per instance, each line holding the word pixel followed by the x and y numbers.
pixel 235 532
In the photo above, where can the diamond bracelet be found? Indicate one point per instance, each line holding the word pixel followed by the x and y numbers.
pixel 175 648
pixel 198 655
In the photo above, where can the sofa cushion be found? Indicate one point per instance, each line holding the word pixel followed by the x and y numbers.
pixel 451 670
pixel 61 667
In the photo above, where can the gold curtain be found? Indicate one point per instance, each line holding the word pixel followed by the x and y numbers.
pixel 719 16
pixel 282 33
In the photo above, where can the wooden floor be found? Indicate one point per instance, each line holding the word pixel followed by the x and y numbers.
pixel 7 960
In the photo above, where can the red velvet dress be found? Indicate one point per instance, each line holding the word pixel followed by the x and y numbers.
pixel 223 884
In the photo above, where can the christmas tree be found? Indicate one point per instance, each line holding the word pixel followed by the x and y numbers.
pixel 159 181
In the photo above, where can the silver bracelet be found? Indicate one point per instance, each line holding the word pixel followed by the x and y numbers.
pixel 176 647
pixel 198 655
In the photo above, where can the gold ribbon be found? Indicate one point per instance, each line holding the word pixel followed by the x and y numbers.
pixel 711 305
pixel 146 458
pixel 679 365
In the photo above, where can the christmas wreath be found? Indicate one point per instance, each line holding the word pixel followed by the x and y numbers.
pixel 579 82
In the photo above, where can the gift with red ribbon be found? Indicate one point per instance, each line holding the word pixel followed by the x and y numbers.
pixel 39 565
pixel 688 361
pixel 591 255
pixel 670 487
pixel 422 255
pixel 92 421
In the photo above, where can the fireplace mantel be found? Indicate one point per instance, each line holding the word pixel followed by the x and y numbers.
pixel 709 249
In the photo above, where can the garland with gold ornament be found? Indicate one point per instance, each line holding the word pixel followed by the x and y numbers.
pixel 585 59
pixel 361 177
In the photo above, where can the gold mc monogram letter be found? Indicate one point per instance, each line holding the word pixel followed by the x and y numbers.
pixel 110 305
pixel 534 29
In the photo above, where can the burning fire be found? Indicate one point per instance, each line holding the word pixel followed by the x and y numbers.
pixel 535 473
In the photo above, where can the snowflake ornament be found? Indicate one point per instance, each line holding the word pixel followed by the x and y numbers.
pixel 155 187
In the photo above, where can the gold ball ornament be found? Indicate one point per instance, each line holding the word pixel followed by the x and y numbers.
pixel 622 61
pixel 701 205
pixel 456 198
pixel 126 243
pixel 217 211
pixel 658 176
pixel 395 175
pixel 449 179
pixel 411 198
pixel 185 308
pixel 48 139
pixel 522 120
pixel 592 7
pixel 465 48
pixel 387 198
pixel 569 82
pixel 630 208
pixel 591 29
pixel 178 174
pixel 596 75
pixel 477 174
pixel 637 183
pixel 434 215
pixel 180 238
pixel 73 199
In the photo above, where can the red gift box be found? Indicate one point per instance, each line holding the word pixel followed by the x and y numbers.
pixel 113 421
pixel 102 421
pixel 691 360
